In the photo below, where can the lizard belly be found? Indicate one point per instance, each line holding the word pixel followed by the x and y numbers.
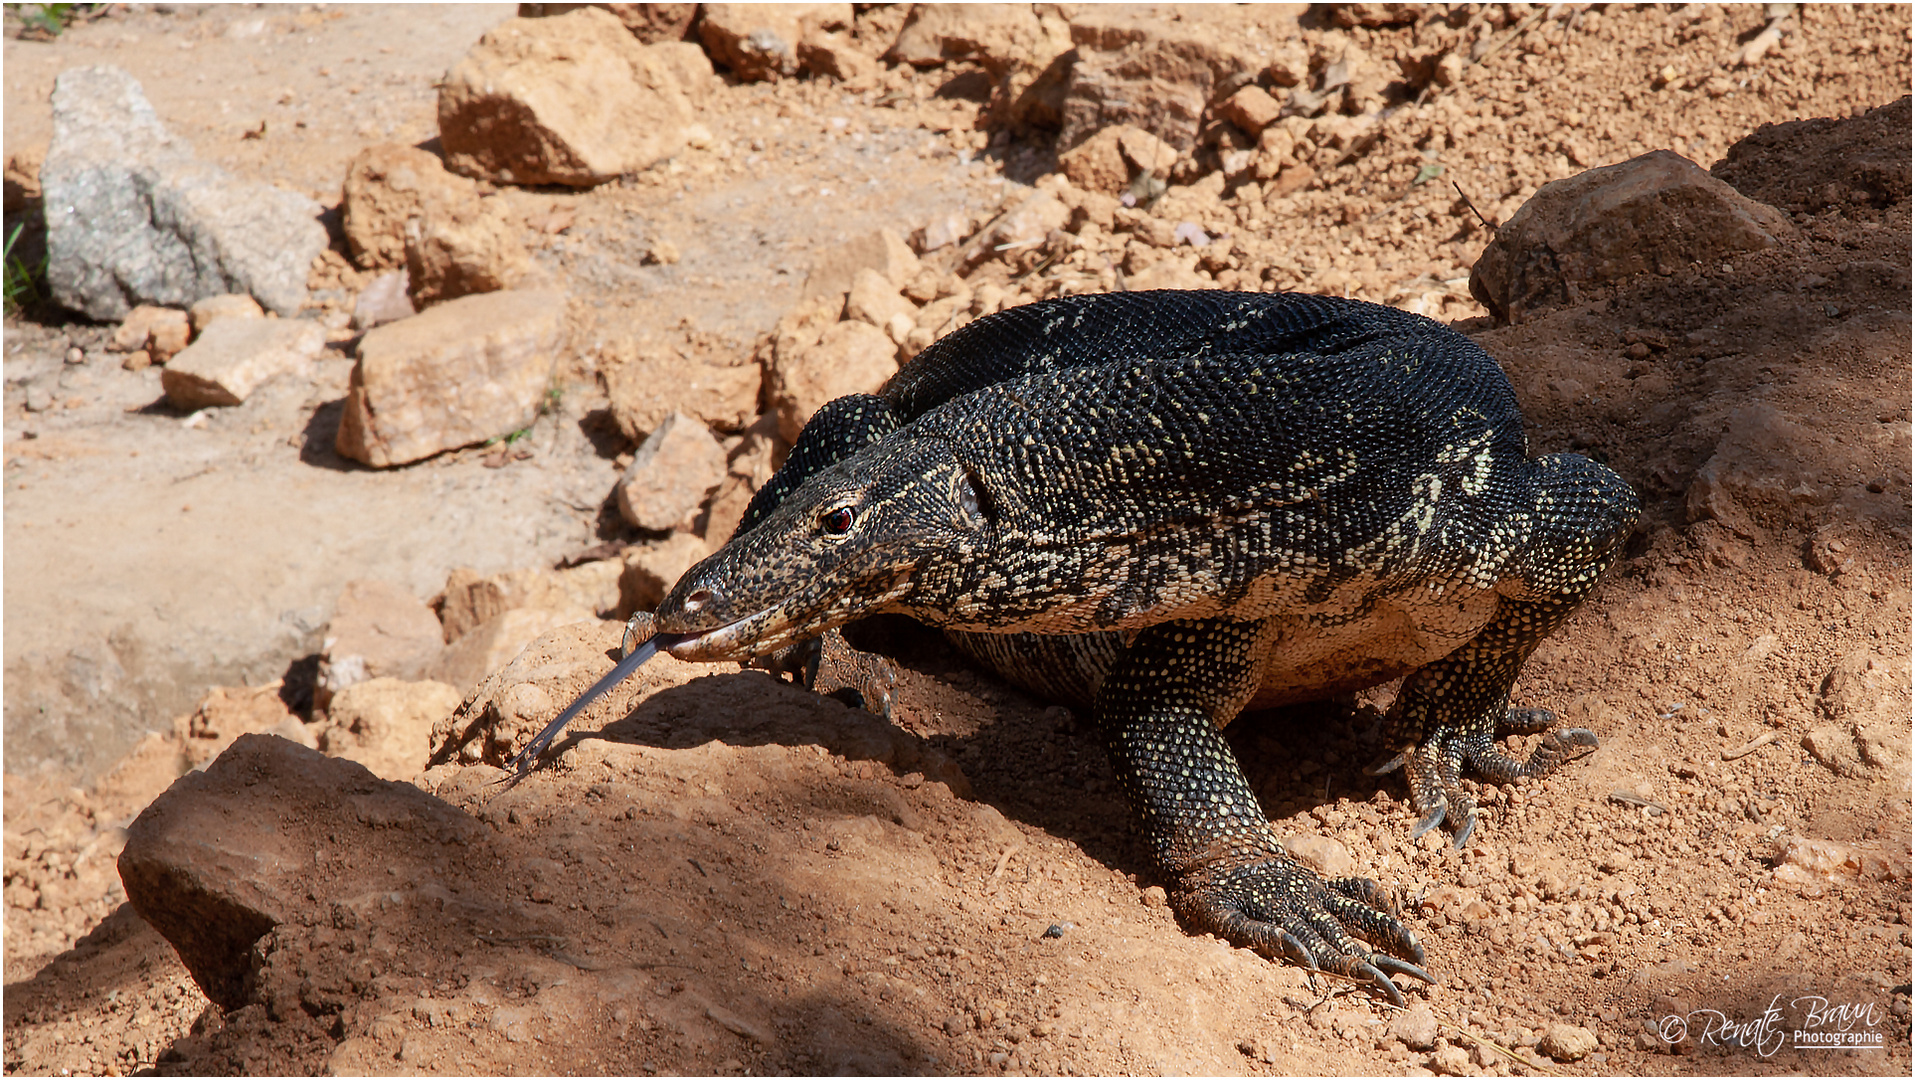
pixel 1337 649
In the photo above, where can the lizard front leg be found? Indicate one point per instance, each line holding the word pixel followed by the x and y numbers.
pixel 1161 710
pixel 1450 712
pixel 1454 710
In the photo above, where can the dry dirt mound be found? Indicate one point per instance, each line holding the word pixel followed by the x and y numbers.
pixel 723 874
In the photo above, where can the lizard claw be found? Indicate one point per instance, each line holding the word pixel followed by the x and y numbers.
pixel 1435 768
pixel 1285 910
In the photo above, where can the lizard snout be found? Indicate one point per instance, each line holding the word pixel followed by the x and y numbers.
pixel 696 600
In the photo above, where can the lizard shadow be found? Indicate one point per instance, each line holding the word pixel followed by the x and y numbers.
pixel 1035 762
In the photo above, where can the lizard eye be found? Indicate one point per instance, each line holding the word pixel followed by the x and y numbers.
pixel 837 521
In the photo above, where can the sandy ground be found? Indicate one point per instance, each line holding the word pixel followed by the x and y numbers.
pixel 726 875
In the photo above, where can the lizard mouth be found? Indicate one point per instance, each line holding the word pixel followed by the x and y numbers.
pixel 739 639
pixel 765 631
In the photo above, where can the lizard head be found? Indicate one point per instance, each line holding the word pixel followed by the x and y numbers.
pixel 852 541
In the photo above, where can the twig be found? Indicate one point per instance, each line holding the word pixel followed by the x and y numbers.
pixel 998 871
pixel 1487 223
pixel 1501 1049
pixel 1751 746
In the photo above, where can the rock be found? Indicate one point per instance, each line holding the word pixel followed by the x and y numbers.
pixel 383 300
pixel 386 724
pixel 1834 746
pixel 1023 52
pixel 833 270
pixel 1651 214
pixel 1451 1061
pixel 226 855
pixel 674 469
pixel 572 100
pixel 1455 903
pixel 1376 14
pixel 206 312
pixel 1766 464
pixel 760 41
pixel 650 570
pixel 496 642
pixel 1111 161
pixel 725 509
pixel 1175 272
pixel 1096 164
pixel 509 707
pixel 649 23
pixel 378 630
pixel 874 299
pixel 1806 861
pixel 648 381
pixel 1325 855
pixel 1567 1042
pixel 467 250
pixel 688 67
pixel 849 358
pixel 1414 1027
pixel 234 356
pixel 1349 81
pixel 1025 225
pixel 1134 68
pixel 22 177
pixel 137 220
pixel 463 372
pixel 941 231
pixel 160 331
pixel 388 186
pixel 471 598
pixel 228 712
pixel 1252 109
pixel 835 56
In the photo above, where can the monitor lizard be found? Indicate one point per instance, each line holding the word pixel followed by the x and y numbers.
pixel 1173 506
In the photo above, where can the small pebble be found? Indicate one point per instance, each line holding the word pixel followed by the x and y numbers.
pixel 1414 1027
pixel 1451 1061
pixel 1567 1042
pixel 76 355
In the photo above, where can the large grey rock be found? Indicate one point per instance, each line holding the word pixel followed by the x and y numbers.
pixel 133 218
pixel 466 371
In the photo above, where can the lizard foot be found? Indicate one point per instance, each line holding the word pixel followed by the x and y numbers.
pixel 1435 768
pixel 1284 910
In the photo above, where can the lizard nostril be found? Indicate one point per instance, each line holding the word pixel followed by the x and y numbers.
pixel 697 600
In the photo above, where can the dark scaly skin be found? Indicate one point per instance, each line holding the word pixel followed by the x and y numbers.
pixel 1175 504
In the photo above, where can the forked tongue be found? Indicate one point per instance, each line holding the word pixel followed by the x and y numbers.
pixel 522 762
